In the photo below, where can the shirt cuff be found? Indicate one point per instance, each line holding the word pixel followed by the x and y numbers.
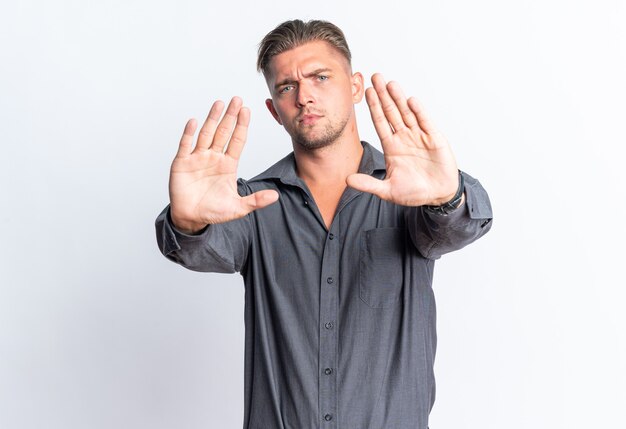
pixel 455 216
pixel 173 238
pixel 475 206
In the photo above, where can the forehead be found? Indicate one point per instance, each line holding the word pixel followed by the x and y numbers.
pixel 309 56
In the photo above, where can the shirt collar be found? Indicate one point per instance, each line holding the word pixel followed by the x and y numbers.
pixel 284 170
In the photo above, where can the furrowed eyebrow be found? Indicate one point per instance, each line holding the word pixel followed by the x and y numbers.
pixel 290 80
pixel 283 82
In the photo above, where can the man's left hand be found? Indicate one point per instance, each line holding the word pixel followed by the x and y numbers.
pixel 421 169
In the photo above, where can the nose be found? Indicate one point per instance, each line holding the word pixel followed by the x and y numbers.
pixel 305 95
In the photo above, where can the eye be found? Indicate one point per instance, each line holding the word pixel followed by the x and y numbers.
pixel 285 89
pixel 322 77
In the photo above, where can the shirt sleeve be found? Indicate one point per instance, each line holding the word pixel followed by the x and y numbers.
pixel 436 234
pixel 219 248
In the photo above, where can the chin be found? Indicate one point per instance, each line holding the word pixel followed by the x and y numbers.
pixel 308 143
pixel 313 141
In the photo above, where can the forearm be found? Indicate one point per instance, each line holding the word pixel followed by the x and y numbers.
pixel 435 234
pixel 216 248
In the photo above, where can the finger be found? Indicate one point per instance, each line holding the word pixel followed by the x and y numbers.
pixel 186 141
pixel 378 116
pixel 367 183
pixel 423 119
pixel 389 106
pixel 238 139
pixel 225 127
pixel 210 124
pixel 408 117
pixel 258 200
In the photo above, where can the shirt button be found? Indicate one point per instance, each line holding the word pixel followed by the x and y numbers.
pixel 328 371
pixel 331 236
pixel 328 417
pixel 306 203
pixel 329 325
pixel 329 280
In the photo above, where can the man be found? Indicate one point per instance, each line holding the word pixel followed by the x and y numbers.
pixel 336 242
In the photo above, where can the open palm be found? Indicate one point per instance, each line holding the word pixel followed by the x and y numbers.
pixel 421 169
pixel 203 179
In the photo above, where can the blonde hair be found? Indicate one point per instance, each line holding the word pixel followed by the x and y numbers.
pixel 291 34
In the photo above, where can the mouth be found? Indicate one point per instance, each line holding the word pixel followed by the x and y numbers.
pixel 309 119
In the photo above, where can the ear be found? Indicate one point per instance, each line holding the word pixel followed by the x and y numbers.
pixel 270 106
pixel 358 89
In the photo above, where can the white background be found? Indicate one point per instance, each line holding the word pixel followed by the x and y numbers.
pixel 98 330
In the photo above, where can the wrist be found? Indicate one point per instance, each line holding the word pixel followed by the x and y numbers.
pixel 186 227
pixel 452 203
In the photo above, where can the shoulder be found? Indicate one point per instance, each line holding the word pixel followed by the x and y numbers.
pixel 282 172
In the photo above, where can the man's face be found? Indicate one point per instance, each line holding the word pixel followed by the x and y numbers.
pixel 313 93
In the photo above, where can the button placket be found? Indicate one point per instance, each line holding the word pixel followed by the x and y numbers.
pixel 329 297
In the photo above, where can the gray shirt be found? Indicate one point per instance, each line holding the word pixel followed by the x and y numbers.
pixel 340 322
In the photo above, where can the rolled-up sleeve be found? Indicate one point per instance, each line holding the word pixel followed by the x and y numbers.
pixel 435 234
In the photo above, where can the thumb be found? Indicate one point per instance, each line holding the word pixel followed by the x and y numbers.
pixel 258 200
pixel 366 183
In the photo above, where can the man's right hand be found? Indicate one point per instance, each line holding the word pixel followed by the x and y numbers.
pixel 203 179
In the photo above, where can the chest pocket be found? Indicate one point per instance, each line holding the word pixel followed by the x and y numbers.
pixel 381 271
